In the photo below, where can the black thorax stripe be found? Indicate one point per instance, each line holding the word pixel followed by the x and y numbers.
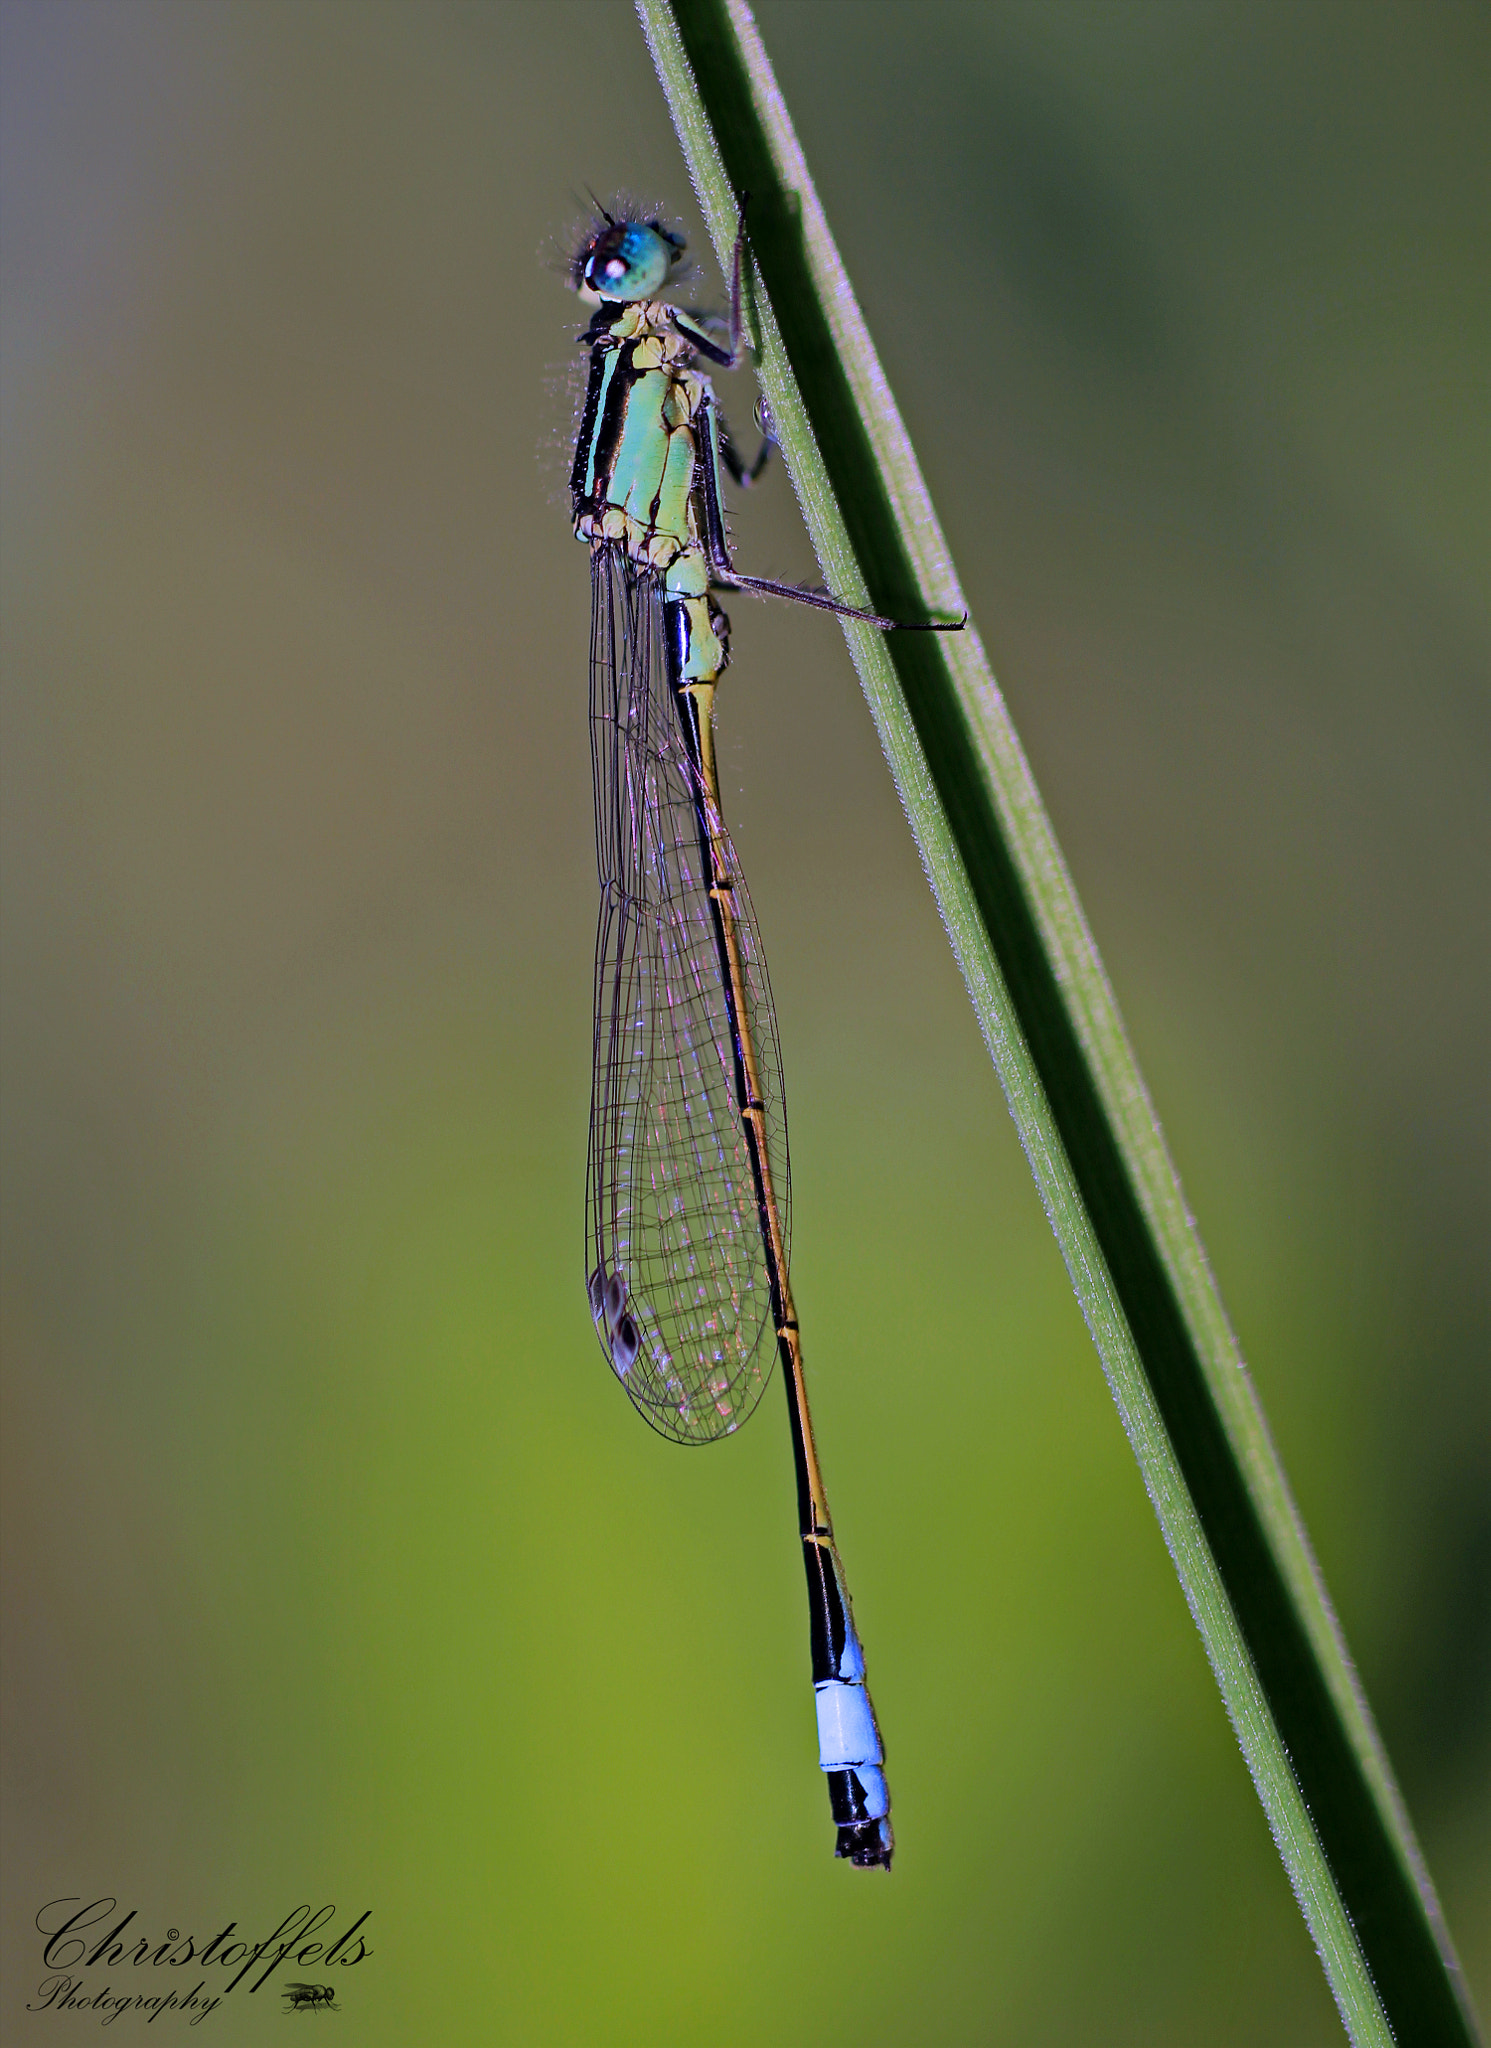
pixel 606 402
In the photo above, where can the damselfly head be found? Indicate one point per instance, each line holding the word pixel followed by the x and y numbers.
pixel 627 259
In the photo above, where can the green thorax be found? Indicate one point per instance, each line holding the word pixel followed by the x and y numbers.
pixel 636 465
pixel 636 477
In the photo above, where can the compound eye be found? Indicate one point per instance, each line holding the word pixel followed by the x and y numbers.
pixel 629 261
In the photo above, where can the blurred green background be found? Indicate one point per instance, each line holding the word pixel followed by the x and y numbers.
pixel 336 1567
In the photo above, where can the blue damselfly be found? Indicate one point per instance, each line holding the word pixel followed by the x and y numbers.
pixel 687 1211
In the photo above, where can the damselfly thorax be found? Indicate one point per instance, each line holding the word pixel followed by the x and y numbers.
pixel 635 467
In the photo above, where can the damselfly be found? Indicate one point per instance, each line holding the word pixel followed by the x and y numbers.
pixel 687 1193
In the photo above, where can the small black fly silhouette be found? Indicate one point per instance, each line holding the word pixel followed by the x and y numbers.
pixel 311 1998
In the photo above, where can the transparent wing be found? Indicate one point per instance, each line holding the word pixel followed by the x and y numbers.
pixel 678 1276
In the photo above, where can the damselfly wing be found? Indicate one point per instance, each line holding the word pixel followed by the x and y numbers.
pixel 679 1281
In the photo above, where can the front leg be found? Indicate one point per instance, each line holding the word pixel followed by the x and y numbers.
pixel 725 359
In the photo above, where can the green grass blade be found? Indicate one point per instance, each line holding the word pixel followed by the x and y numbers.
pixel 1054 1034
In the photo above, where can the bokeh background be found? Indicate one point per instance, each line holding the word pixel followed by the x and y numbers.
pixel 337 1568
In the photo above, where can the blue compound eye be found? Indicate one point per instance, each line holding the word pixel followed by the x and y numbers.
pixel 629 261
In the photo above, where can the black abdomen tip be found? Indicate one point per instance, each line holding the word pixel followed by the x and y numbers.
pixel 868 1844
